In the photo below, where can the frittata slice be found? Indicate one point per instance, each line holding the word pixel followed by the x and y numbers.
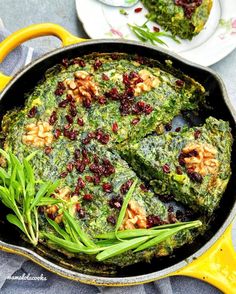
pixel 193 164
pixel 183 18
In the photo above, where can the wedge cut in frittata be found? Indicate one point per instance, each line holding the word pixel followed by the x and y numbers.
pixel 193 164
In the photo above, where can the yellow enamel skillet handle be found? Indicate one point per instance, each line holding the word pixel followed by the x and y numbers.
pixel 217 266
pixel 31 32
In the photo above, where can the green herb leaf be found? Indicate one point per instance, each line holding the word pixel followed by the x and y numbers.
pixel 41 192
pixel 17 192
pixel 120 248
pixel 48 201
pixel 70 246
pixel 58 229
pixel 144 34
pixel 81 234
pixel 53 187
pixel 123 11
pixel 165 234
pixel 127 234
pixel 106 243
pixel 32 155
pixel 15 221
pixel 124 205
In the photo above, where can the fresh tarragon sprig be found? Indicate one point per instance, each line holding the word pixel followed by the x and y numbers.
pixel 20 192
pixel 144 34
pixel 74 239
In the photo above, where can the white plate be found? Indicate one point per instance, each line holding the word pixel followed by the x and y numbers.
pixel 216 41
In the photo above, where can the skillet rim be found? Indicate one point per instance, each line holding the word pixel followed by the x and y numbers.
pixel 131 280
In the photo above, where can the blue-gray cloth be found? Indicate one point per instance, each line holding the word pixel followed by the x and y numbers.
pixel 14 266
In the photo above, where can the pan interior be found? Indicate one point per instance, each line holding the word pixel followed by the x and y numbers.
pixel 217 107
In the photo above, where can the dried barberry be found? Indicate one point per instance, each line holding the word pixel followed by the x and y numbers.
pixel 69 98
pixel 111 219
pixel 77 154
pixel 80 167
pixel 180 83
pixel 125 187
pixel 77 190
pixel 32 112
pixel 69 166
pixel 86 140
pixel 97 64
pixel 102 100
pixel 53 118
pixel 148 109
pixel 63 103
pixel 65 62
pixel 48 150
pixel 96 179
pixel 113 94
pixel 96 159
pixel 73 135
pixel 77 206
pixel 81 213
pixel 57 133
pixel 107 187
pixel 166 168
pixel 194 176
pixel 114 56
pixel 181 158
pixel 81 183
pixel 179 170
pixel 115 127
pixel 116 202
pixel 105 77
pixel 189 7
pixel 143 188
pixel 87 103
pixel 80 121
pixel 69 119
pixel 153 220
pixel 156 29
pixel 168 127
pixel 73 111
pixel 197 134
pixel 135 121
pixel 88 197
pixel 60 89
pixel 138 9
pixel 89 179
pixel 63 174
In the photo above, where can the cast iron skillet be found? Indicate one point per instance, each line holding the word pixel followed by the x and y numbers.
pixel 211 257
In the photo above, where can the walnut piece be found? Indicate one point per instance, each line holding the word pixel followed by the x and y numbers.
pixel 149 82
pixel 203 159
pixel 38 135
pixel 82 86
pixel 135 217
